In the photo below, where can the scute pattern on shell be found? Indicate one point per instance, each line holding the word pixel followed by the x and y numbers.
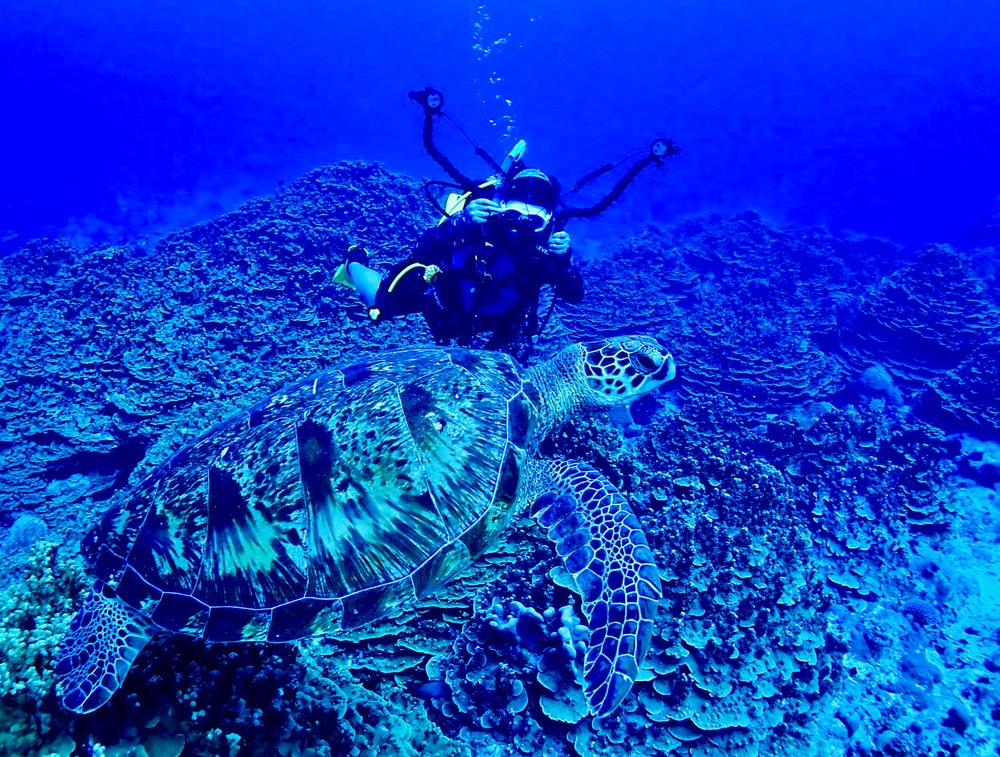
pixel 326 505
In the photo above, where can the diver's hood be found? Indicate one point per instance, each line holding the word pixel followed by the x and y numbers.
pixel 532 187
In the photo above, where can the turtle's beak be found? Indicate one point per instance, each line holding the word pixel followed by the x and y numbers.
pixel 666 371
pixel 654 369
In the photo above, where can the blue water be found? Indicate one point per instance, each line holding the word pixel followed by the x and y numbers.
pixel 125 118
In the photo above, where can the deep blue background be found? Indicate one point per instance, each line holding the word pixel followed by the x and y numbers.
pixel 120 114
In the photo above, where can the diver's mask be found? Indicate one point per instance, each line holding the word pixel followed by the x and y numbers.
pixel 532 216
pixel 527 202
pixel 519 226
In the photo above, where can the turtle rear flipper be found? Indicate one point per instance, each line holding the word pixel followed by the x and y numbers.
pixel 103 641
pixel 602 545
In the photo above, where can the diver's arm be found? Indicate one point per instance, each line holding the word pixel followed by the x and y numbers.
pixel 565 277
pixel 464 229
pixel 569 285
pixel 559 243
pixel 437 243
pixel 480 209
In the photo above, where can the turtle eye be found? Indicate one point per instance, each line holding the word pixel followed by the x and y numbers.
pixel 643 363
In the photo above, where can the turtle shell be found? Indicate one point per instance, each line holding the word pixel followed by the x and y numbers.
pixel 329 504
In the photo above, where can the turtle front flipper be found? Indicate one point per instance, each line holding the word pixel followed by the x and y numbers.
pixel 602 545
pixel 103 641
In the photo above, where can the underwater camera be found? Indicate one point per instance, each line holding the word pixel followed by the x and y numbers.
pixel 518 232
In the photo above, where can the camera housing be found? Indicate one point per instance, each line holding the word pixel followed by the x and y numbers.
pixel 515 231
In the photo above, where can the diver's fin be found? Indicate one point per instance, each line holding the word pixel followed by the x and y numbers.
pixel 103 641
pixel 603 547
pixel 355 254
pixel 341 276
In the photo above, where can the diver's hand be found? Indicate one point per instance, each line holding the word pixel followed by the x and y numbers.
pixel 481 209
pixel 559 243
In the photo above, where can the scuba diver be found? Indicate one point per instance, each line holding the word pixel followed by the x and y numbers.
pixel 481 270
pixel 499 242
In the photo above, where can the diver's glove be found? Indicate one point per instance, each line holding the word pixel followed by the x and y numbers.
pixel 480 210
pixel 559 243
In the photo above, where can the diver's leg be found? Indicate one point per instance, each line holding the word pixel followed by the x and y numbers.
pixel 366 281
pixel 355 273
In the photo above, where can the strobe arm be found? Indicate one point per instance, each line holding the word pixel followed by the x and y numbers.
pixel 659 150
pixel 432 101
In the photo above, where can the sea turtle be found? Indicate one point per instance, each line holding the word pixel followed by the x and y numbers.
pixel 361 489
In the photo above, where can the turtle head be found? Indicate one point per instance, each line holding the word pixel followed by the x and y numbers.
pixel 619 370
pixel 597 375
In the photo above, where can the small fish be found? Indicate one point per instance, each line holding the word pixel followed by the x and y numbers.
pixel 429 689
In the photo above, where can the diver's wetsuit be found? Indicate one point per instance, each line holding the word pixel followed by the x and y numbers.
pixel 482 287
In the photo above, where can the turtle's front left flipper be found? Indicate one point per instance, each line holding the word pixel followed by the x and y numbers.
pixel 602 545
pixel 104 639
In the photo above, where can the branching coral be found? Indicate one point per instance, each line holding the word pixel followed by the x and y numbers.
pixel 34 616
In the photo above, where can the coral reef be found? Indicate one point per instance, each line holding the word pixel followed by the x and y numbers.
pixel 34 616
pixel 751 311
pixel 925 318
pixel 964 399
pixel 121 356
pixel 819 488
